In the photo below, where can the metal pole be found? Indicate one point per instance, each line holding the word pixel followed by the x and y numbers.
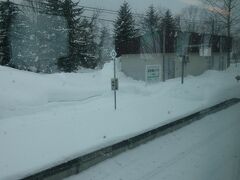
pixel 221 55
pixel 213 32
pixel 115 91
pixel 164 51
pixel 213 26
pixel 183 60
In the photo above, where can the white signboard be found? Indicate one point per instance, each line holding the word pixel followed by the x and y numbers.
pixel 205 51
pixel 152 73
pixel 113 54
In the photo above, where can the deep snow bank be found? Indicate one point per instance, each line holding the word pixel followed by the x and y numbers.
pixel 48 119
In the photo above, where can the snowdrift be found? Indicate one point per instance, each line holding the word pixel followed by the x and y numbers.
pixel 48 119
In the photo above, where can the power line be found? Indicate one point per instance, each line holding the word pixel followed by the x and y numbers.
pixel 101 19
pixel 115 12
pixel 107 11
pixel 89 8
pixel 42 9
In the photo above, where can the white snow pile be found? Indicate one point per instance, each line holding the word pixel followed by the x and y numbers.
pixel 49 119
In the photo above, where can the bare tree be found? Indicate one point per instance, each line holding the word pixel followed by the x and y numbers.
pixel 228 13
pixel 189 19
pixel 196 19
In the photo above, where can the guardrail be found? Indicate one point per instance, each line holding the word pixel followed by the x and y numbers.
pixel 79 164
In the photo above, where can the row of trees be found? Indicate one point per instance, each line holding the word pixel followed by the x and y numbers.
pixel 154 24
pixel 87 47
pixel 217 17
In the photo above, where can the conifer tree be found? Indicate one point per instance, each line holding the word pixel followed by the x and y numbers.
pixel 7 13
pixel 88 47
pixel 82 39
pixel 151 28
pixel 72 13
pixel 124 27
pixel 53 7
pixel 168 28
pixel 151 20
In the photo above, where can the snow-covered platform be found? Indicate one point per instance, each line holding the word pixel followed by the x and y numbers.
pixel 49 119
pixel 206 149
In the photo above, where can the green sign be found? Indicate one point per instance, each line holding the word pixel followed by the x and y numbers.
pixel 152 73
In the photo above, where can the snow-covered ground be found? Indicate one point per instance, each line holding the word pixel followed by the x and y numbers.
pixel 48 119
pixel 207 149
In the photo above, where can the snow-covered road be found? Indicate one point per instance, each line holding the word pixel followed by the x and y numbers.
pixel 206 149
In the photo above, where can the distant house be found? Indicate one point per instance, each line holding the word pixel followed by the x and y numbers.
pixel 142 57
pixel 37 40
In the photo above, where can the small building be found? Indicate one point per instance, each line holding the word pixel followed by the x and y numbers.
pixel 147 58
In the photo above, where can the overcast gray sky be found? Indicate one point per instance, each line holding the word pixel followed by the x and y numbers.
pixel 138 5
pixel 141 5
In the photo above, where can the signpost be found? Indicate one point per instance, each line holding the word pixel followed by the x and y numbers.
pixel 205 51
pixel 114 80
